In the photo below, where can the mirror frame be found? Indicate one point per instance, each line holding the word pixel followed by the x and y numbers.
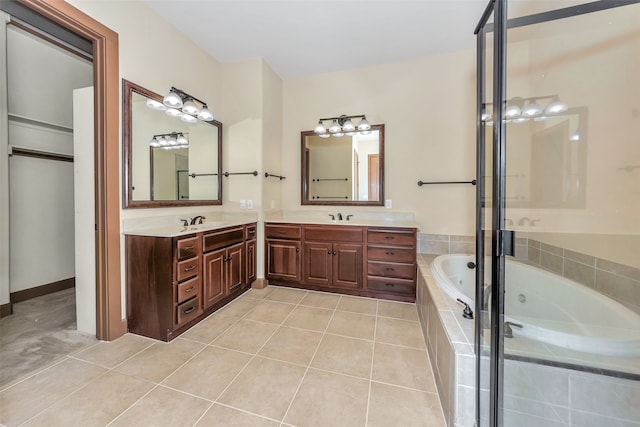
pixel 127 89
pixel 304 193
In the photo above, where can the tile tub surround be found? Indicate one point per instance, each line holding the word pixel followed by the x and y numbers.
pixel 322 359
pixel 535 394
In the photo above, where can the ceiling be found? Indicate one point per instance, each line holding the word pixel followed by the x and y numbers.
pixel 304 37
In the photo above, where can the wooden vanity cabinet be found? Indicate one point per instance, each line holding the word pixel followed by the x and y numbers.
pixel 333 257
pixel 173 283
pixel 391 261
pixel 282 251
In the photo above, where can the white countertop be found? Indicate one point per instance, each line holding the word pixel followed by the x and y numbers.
pixel 352 222
pixel 171 226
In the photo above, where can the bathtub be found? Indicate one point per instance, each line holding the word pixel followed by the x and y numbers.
pixel 550 308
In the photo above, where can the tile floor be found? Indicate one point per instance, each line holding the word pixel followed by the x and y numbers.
pixel 273 357
pixel 40 331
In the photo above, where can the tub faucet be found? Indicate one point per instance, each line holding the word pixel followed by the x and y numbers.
pixel 523 221
pixel 486 297
pixel 339 216
pixel 198 218
pixel 508 331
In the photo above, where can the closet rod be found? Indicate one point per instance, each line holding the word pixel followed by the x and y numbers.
pixel 17 151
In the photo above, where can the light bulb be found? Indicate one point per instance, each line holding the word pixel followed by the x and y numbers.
pixel 172 140
pixel 338 134
pixel 320 129
pixel 154 142
pixel 190 107
pixel 188 118
pixel 512 111
pixel 172 99
pixel 182 140
pixel 324 135
pixel 556 106
pixel 162 141
pixel 335 127
pixel 172 112
pixel 155 105
pixel 532 109
pixel 348 126
pixel 205 114
pixel 364 124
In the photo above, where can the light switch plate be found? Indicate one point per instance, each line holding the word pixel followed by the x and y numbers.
pixel 249 204
pixel 387 204
pixel 243 204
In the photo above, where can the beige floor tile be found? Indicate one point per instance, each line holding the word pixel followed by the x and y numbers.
pixel 328 399
pixel 246 335
pixel 258 293
pixel 270 312
pixel 313 318
pixel 391 406
pixel 321 300
pixel 344 355
pixel 208 373
pixel 292 345
pixel 407 367
pixel 280 294
pixel 352 325
pixel 238 307
pixel 358 305
pixel 220 415
pixel 265 387
pixel 400 332
pixel 97 404
pixel 163 407
pixel 398 310
pixel 112 353
pixel 160 360
pixel 210 328
pixel 27 398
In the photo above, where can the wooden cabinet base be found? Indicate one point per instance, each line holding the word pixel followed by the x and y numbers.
pixel 353 292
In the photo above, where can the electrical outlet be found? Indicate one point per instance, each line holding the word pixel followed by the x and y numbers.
pixel 249 204
pixel 273 204
pixel 243 204
pixel 387 204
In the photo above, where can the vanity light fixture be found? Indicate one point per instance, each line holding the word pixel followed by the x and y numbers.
pixel 341 126
pixel 519 110
pixel 169 141
pixel 178 103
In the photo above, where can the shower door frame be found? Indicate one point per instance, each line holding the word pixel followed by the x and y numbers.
pixel 502 240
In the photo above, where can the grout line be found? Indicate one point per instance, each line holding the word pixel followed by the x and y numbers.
pixel 373 353
pixel 203 414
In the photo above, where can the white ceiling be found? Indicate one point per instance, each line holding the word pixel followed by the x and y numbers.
pixel 304 37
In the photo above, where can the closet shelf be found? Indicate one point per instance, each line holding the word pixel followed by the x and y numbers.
pixel 36 122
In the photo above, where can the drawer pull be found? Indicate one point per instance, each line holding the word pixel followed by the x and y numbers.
pixel 281 231
pixel 390 285
pixel 389 237
pixel 390 269
pixel 189 310
pixel 252 231
pixel 190 289
pixel 189 248
pixel 193 267
pixel 389 253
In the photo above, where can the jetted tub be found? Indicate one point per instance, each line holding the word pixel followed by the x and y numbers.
pixel 550 308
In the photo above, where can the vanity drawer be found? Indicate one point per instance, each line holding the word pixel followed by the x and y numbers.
pixel 282 231
pixel 188 289
pixel 392 237
pixel 391 269
pixel 396 286
pixel 250 232
pixel 188 268
pixel 337 233
pixel 188 248
pixel 188 310
pixel 393 254
pixel 221 239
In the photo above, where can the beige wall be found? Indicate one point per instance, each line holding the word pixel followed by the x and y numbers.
pixel 428 108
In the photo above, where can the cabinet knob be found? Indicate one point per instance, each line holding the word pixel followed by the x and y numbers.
pixel 297 250
pixel 334 252
pixel 329 252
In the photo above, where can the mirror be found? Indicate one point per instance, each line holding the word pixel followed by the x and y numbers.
pixel 547 162
pixel 346 170
pixel 182 170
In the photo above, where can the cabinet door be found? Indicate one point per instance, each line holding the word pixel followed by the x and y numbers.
pixel 214 277
pixel 235 267
pixel 347 265
pixel 283 260
pixel 251 262
pixel 318 261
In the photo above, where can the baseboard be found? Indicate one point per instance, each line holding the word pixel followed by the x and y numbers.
pixel 259 284
pixel 6 309
pixel 39 291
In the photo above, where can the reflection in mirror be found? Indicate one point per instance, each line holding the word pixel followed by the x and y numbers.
pixel 345 170
pixel 167 161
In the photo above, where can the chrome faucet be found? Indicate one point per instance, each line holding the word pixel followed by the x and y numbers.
pixel 198 218
pixel 349 216
pixel 184 222
pixel 333 217
pixel 339 216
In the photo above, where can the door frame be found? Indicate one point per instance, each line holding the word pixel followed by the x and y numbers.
pixel 109 320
